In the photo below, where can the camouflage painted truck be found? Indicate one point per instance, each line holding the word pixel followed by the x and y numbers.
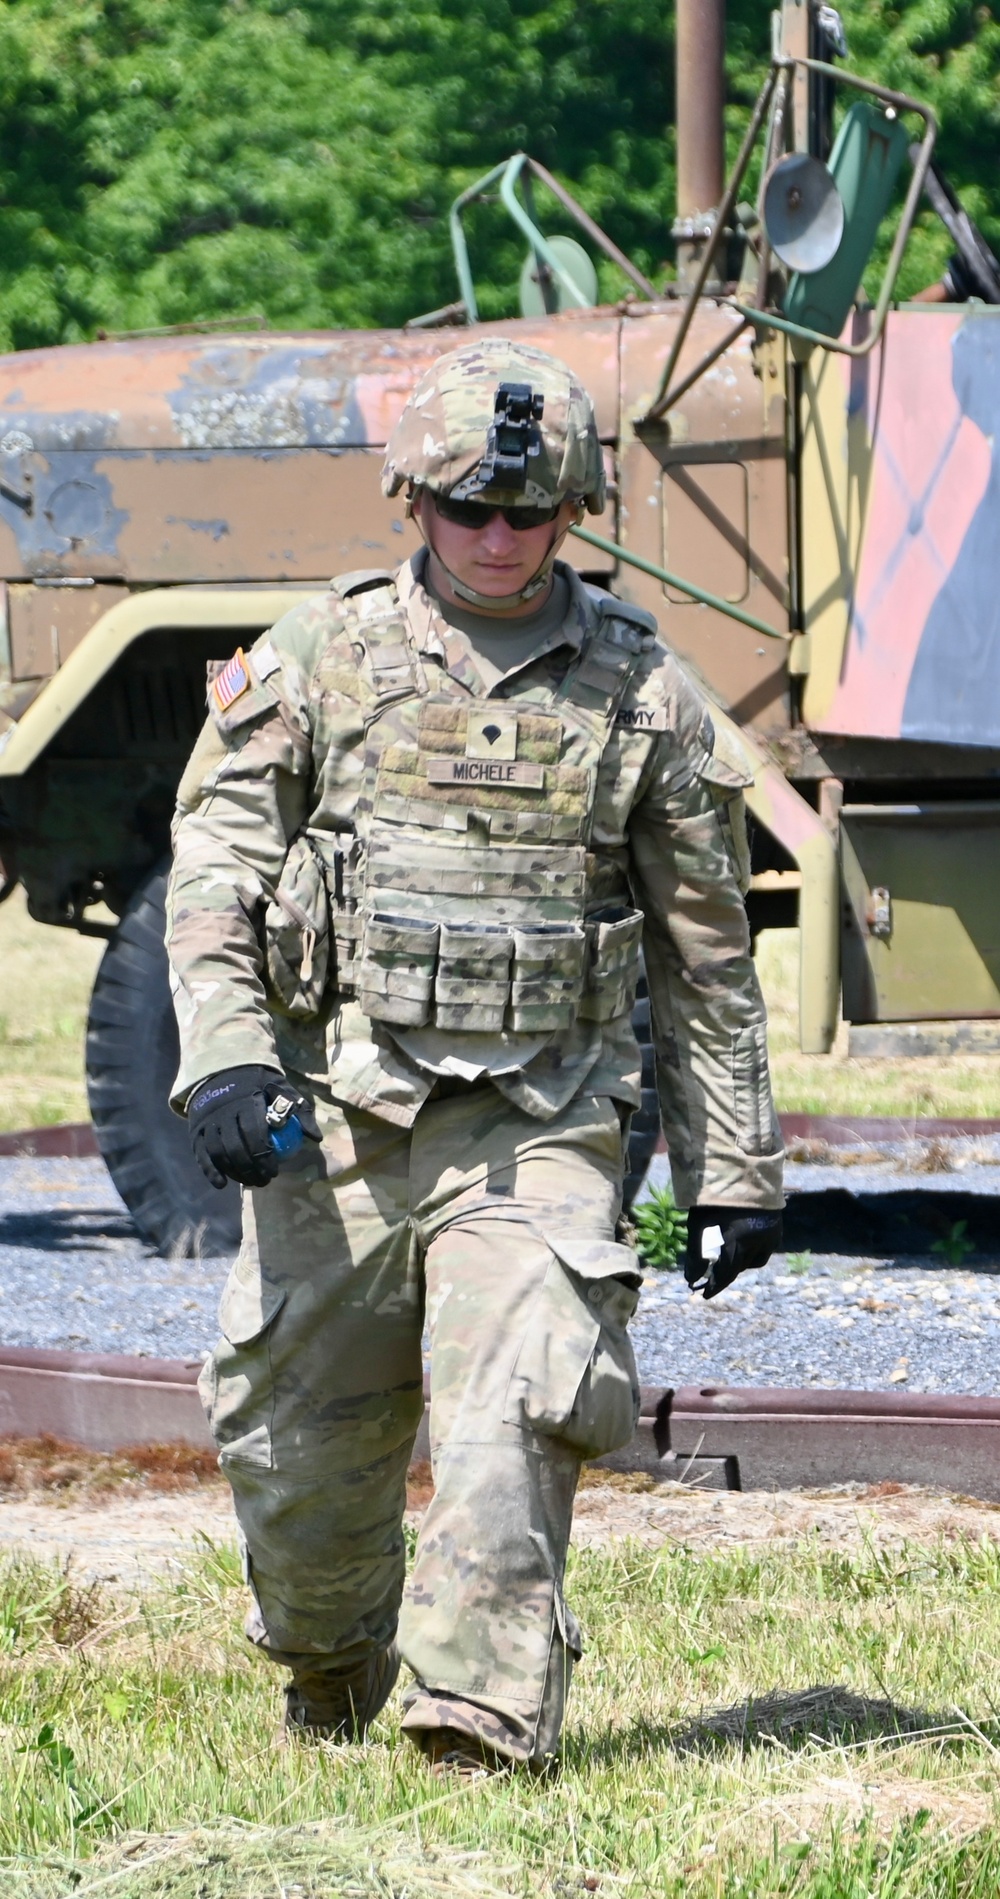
pixel 804 488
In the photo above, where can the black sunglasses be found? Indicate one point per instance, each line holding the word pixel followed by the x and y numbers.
pixel 476 514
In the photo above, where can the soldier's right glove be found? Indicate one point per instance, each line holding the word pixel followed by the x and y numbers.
pixel 230 1131
pixel 749 1236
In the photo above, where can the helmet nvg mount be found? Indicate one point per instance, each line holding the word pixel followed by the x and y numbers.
pixel 513 438
pixel 502 423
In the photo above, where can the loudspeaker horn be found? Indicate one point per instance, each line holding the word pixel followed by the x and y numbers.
pixel 803 213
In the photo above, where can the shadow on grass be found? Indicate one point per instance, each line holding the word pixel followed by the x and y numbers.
pixel 829 1714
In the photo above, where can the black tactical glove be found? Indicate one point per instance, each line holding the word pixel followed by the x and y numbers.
pixel 749 1237
pixel 230 1132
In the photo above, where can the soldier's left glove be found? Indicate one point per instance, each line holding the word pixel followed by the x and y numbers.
pixel 749 1237
pixel 231 1128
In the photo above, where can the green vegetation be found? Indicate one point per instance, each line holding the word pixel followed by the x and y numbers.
pixel 701 1758
pixel 955 1248
pixel 661 1230
pixel 166 163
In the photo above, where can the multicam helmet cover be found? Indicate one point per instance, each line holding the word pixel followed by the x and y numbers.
pixel 491 395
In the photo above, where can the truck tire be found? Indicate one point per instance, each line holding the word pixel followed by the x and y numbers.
pixel 645 1131
pixel 132 1056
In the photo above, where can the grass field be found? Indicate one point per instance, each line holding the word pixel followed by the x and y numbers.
pixel 838 1084
pixel 47 975
pixel 807 1722
pixel 45 981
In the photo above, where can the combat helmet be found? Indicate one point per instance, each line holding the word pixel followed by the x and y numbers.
pixel 499 422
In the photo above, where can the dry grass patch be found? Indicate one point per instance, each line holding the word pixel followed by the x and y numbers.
pixel 880 1806
pixel 322 1861
pixel 32 1466
pixel 51 1467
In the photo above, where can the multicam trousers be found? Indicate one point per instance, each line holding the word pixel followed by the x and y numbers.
pixel 499 1229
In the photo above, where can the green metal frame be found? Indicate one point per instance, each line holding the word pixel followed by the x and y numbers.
pixel 764 319
pixel 521 168
pixel 700 594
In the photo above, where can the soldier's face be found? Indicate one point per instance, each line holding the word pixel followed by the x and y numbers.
pixel 494 559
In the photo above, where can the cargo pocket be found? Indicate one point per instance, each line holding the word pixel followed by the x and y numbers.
pixel 547 977
pixel 613 973
pixel 297 933
pixel 575 1377
pixel 726 785
pixel 757 1128
pixel 240 1399
pixel 472 986
pixel 396 977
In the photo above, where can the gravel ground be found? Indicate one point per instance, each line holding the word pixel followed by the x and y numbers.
pixel 74 1275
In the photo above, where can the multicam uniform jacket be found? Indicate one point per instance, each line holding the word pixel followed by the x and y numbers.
pixel 385 871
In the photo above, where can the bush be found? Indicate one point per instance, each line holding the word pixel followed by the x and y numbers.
pixel 661 1230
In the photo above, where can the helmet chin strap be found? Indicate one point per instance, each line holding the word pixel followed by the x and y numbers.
pixel 493 602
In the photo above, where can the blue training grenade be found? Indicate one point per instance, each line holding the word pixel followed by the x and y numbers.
pixel 286 1128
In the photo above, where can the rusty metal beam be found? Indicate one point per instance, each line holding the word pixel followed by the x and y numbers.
pixel 67 1140
pixel 103 1403
pixel 784 1439
pixel 737 1437
pixel 701 39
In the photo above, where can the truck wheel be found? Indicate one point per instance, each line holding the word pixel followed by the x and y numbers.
pixel 132 1057
pixel 646 1119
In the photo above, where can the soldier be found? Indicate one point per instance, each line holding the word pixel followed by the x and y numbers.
pixel 428 822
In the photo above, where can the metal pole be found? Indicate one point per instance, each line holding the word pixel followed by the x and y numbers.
pixel 701 39
pixel 701 594
pixel 661 400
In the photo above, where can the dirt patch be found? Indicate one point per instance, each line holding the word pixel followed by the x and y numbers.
pixel 136 1529
pixel 127 1537
pixel 844 1518
pixel 809 1812
pixel 138 1512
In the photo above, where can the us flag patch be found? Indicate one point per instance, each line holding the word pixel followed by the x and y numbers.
pixel 232 681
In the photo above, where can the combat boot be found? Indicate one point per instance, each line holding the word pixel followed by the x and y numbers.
pixel 449 1752
pixel 325 1706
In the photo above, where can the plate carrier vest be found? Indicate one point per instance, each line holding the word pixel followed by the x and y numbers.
pixel 461 900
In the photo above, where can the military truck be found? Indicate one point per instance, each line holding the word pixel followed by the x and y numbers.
pixel 802 488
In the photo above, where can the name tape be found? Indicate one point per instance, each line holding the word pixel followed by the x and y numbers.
pixel 485 771
pixel 642 718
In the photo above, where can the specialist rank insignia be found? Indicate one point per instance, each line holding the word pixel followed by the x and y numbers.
pixel 233 680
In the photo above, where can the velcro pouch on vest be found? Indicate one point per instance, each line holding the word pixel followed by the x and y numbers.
pixel 396 974
pixel 297 933
pixel 472 986
pixel 613 974
pixel 547 977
